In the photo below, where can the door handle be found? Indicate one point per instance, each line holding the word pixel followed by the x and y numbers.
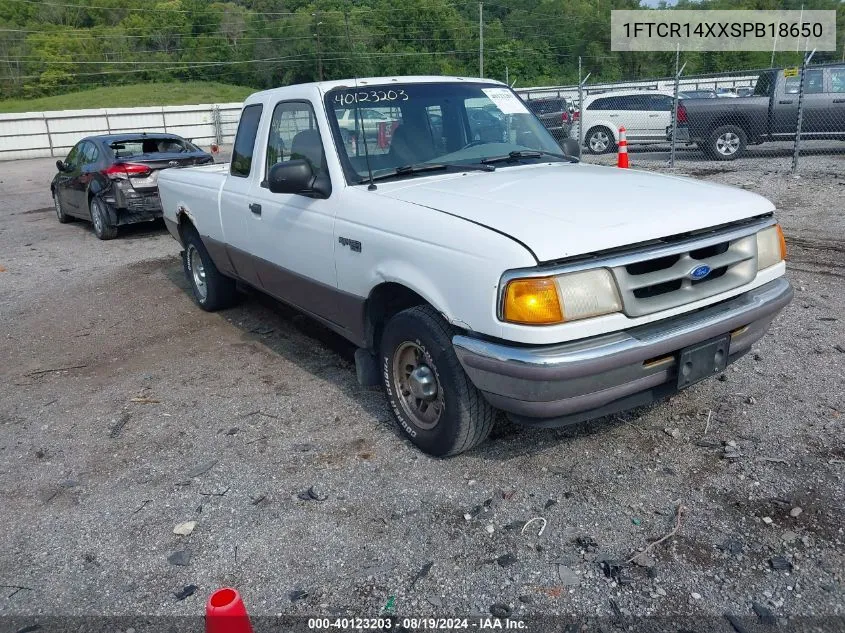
pixel 255 208
pixel 785 101
pixel 839 101
pixel 651 116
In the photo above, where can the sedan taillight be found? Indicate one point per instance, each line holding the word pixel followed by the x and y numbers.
pixel 127 170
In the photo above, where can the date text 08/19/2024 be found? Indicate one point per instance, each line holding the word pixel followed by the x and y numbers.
pixel 415 624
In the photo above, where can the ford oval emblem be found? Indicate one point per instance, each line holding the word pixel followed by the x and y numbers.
pixel 699 272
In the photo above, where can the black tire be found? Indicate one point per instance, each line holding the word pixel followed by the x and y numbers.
pixel 63 217
pixel 465 418
pixel 595 146
pixel 103 228
pixel 211 289
pixel 727 142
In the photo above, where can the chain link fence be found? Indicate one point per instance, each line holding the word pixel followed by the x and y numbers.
pixel 781 119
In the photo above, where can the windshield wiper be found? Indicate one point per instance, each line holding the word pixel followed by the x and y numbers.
pixel 534 153
pixel 407 170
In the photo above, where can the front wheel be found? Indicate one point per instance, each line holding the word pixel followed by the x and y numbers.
pixel 433 400
pixel 211 289
pixel 726 143
pixel 60 212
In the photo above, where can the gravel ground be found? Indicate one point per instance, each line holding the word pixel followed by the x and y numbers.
pixel 125 410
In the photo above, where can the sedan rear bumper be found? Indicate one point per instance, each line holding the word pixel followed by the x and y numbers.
pixel 569 382
pixel 132 206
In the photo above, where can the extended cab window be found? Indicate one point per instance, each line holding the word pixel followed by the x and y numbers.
pixel 837 79
pixel 294 135
pixel 245 140
pixel 813 83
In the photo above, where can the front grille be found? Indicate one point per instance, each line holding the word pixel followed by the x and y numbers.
pixel 661 283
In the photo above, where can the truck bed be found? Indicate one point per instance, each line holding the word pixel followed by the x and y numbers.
pixel 196 190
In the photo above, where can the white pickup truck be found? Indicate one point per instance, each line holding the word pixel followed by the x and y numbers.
pixel 475 263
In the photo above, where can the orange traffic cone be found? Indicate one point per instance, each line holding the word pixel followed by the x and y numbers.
pixel 225 613
pixel 622 156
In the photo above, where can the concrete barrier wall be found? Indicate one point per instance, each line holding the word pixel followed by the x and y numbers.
pixel 45 134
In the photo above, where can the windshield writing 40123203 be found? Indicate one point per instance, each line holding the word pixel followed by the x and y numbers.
pixel 370 96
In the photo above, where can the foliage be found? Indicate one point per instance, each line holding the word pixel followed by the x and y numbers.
pixel 181 93
pixel 55 47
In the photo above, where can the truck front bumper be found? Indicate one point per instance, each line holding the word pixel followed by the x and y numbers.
pixel 561 384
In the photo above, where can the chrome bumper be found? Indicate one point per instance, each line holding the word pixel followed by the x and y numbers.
pixel 579 380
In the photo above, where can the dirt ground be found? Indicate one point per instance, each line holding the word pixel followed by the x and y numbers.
pixel 125 410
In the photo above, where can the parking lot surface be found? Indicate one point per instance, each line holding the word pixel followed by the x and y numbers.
pixel 125 410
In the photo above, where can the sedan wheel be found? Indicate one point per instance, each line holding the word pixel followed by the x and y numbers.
pixel 60 214
pixel 103 228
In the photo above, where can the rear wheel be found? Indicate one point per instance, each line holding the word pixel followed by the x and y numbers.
pixel 211 289
pixel 726 143
pixel 436 405
pixel 60 213
pixel 103 228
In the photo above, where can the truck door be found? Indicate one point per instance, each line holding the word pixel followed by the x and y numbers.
pixel 816 106
pixel 292 235
pixel 835 112
pixel 237 217
pixel 785 106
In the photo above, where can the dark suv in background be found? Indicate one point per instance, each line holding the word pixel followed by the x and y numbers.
pixel 555 113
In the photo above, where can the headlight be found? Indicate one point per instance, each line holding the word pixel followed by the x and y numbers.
pixel 568 297
pixel 771 247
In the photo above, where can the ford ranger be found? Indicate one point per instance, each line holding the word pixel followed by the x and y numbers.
pixel 476 269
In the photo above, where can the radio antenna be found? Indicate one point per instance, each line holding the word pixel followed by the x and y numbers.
pixel 358 118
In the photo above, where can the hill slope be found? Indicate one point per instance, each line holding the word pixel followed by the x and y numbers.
pixel 133 95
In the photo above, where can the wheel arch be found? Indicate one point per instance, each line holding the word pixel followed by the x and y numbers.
pixel 609 125
pixel 184 221
pixel 384 301
pixel 737 120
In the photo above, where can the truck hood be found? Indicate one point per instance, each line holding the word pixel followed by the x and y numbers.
pixel 562 210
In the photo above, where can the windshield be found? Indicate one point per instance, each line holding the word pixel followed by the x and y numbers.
pixel 432 123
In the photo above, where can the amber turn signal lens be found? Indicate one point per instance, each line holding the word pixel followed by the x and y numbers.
pixel 782 241
pixel 532 302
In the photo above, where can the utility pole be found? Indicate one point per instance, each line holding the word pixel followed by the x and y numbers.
pixel 796 150
pixel 774 47
pixel 481 39
pixel 317 24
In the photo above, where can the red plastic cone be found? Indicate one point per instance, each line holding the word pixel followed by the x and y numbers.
pixel 225 613
pixel 622 157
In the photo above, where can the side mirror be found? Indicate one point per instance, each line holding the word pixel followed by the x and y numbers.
pixel 293 176
pixel 571 147
pixel 60 165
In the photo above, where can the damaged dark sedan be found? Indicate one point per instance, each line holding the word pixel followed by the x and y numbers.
pixel 111 180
